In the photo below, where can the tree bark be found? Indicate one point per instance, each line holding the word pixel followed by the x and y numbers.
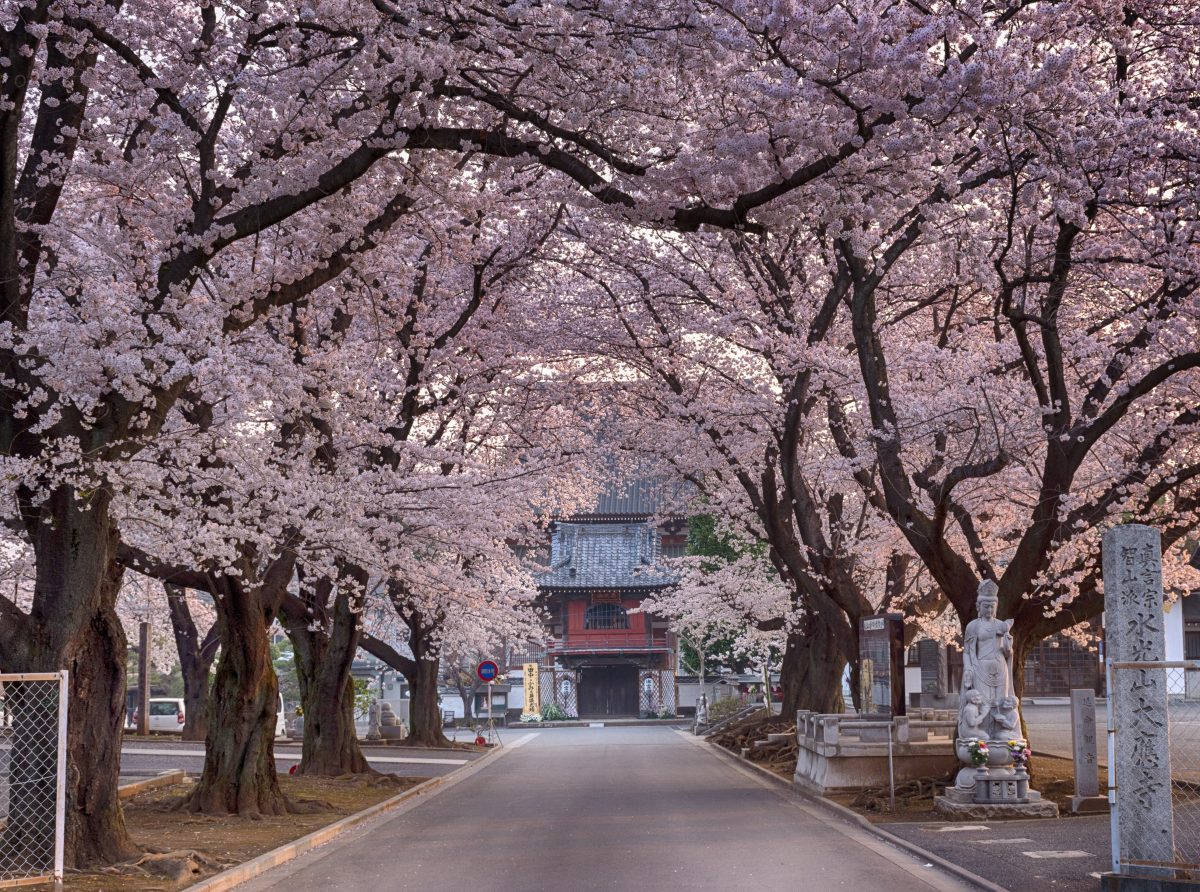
pixel 423 672
pixel 425 719
pixel 814 659
pixel 239 763
pixel 323 663
pixel 74 626
pixel 195 661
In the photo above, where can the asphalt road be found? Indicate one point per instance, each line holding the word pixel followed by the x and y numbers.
pixel 144 757
pixel 1049 728
pixel 608 809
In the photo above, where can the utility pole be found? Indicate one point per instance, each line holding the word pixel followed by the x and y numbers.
pixel 143 713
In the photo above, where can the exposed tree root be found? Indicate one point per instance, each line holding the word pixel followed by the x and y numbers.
pixel 179 868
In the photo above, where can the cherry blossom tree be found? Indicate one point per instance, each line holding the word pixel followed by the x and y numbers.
pixel 1025 332
pixel 170 175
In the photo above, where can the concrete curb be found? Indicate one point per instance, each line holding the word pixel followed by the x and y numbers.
pixel 125 791
pixel 248 870
pixel 854 817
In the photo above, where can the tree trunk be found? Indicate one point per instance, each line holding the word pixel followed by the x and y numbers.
pixel 425 718
pixel 75 627
pixel 813 663
pixel 239 763
pixel 195 661
pixel 323 664
pixel 467 695
pixel 1023 643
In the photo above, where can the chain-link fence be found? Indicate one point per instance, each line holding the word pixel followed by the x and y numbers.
pixel 1154 729
pixel 33 733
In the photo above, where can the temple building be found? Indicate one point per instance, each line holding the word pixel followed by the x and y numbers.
pixel 602 659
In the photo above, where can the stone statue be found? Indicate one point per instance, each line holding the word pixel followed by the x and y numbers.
pixel 996 785
pixel 987 650
pixel 373 732
pixel 1008 720
pixel 971 717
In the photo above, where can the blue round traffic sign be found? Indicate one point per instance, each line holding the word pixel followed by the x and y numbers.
pixel 487 670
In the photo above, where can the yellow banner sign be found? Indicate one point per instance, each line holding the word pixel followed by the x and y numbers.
pixel 533 700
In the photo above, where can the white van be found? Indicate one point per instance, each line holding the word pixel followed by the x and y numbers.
pixel 166 714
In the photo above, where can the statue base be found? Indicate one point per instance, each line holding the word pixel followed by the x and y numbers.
pixel 990 793
pixel 977 811
pixel 1089 805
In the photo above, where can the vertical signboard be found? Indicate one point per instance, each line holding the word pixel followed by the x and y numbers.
pixel 881 662
pixel 533 699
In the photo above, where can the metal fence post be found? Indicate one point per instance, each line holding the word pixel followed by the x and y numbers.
pixel 1114 826
pixel 60 810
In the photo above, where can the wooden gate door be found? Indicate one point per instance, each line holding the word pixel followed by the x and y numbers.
pixel 608 691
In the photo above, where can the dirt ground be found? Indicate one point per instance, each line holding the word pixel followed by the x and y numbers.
pixel 225 841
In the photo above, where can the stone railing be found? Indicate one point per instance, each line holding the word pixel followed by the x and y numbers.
pixel 846 752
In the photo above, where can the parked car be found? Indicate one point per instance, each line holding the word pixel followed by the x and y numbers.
pixel 166 714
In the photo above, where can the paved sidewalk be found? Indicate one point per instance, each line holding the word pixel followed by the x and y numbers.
pixel 609 809
pixel 1066 855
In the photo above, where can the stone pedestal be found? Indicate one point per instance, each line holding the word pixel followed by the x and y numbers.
pixel 952 809
pixel 1089 805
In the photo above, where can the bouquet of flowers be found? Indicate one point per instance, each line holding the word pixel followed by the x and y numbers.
pixel 1020 752
pixel 978 750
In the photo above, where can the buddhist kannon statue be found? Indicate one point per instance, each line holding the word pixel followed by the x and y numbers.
pixel 987 650
pixel 989 723
pixel 988 710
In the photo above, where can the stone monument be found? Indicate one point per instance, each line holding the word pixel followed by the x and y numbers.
pixel 994 783
pixel 1087 798
pixel 390 725
pixel 1133 628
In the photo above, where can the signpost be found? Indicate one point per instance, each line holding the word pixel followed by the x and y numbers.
pixel 488 671
pixel 881 650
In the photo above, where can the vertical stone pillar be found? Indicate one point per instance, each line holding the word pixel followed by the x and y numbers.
pixel 1133 621
pixel 1087 796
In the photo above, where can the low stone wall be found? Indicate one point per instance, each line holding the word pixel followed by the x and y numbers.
pixel 845 752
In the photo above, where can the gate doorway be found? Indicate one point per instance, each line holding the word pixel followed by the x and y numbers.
pixel 608 691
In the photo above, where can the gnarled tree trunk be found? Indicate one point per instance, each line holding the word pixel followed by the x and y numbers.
pixel 239 762
pixel 323 662
pixel 75 627
pixel 814 659
pixel 425 718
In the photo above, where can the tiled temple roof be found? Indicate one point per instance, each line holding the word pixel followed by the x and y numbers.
pixel 604 555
